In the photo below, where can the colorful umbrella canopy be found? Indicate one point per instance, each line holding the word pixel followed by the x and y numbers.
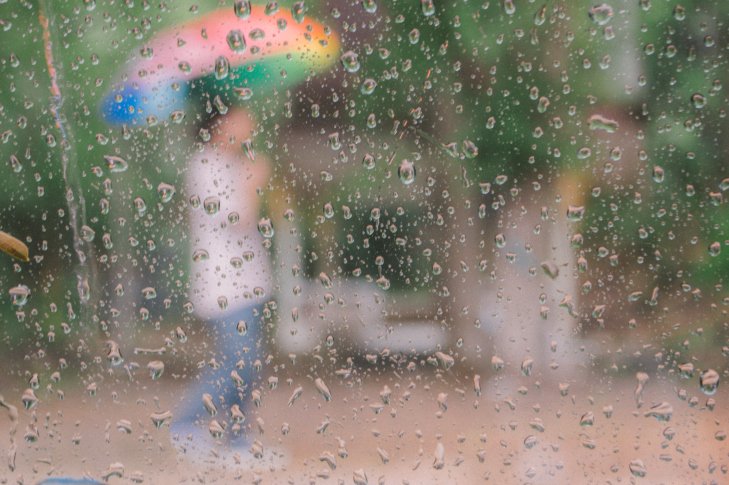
pixel 226 50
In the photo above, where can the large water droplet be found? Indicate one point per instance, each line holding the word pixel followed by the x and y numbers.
pixel 709 381
pixel 601 14
pixel 236 41
pixel 350 61
pixel 406 171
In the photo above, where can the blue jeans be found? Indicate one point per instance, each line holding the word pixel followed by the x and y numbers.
pixel 233 352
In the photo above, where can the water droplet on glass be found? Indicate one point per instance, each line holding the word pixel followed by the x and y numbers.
pixel 369 6
pixel 350 61
pixel 209 405
pixel 470 150
pixel 659 174
pixel 19 295
pixel 698 100
pixel 575 213
pixel 243 94
pixel 236 41
pixel 323 389
pixel 156 368
pixel 714 249
pixel 427 7
pixel 149 293
pixel 383 283
pixel 368 86
pixel 116 164
pixel 709 381
pixel 222 67
pixel 601 14
pixel 368 161
pixel 637 468
pixel 406 171
pixel 295 395
pixel 265 228
pixel 165 192
pixel 298 10
pixel 211 205
pixel 242 8
pixel 662 412
pixel 359 477
pixel 159 419
pixel 271 8
pixel 599 122
pixel 439 456
pixel 29 399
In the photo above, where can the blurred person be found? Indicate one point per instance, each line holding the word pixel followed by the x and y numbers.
pixel 231 275
pixel 230 281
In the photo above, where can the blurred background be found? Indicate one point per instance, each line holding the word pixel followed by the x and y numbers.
pixel 562 239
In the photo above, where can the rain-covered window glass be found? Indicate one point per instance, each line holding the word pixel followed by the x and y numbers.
pixel 364 241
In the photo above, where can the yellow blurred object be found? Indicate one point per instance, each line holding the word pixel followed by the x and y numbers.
pixel 13 246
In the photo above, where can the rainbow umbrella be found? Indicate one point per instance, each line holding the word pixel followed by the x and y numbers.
pixel 229 50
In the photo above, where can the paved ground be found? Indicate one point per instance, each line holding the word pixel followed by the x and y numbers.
pixel 507 435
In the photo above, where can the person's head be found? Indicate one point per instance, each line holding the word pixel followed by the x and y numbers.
pixel 231 129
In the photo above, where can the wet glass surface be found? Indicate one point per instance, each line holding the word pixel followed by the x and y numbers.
pixel 363 241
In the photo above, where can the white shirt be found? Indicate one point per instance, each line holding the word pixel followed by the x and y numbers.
pixel 220 271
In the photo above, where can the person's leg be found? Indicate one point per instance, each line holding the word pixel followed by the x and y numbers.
pixel 222 392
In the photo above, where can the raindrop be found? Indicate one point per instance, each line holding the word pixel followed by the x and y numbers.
pixel 439 456
pixel 116 164
pixel 211 205
pixel 19 295
pixel 601 14
pixel 159 419
pixel 662 412
pixel 209 405
pixel 575 213
pixel 406 171
pixel 637 468
pixel 359 477
pixel 222 67
pixel 295 395
pixel 236 41
pixel 368 161
pixel 298 10
pixel 427 7
pixel 659 174
pixel 698 100
pixel 350 61
pixel 709 382
pixel 714 249
pixel 156 368
pixel 265 228
pixel 383 283
pixel 165 192
pixel 323 389
pixel 242 8
pixel 470 150
pixel 368 86
pixel 243 94
pixel 29 399
pixel 599 122
pixel 369 6
pixel 271 8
